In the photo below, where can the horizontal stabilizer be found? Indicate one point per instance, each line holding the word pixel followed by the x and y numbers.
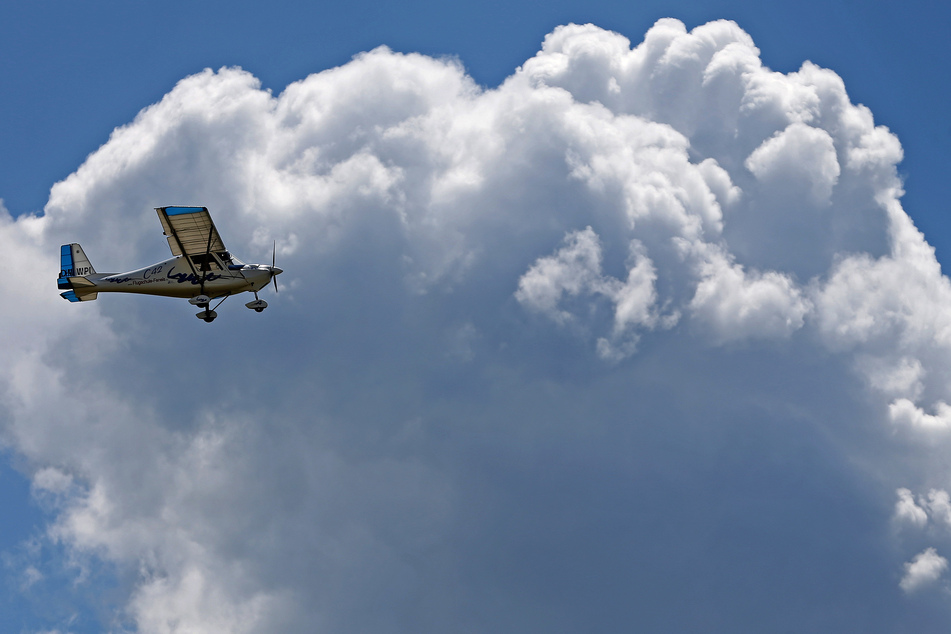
pixel 78 282
pixel 73 296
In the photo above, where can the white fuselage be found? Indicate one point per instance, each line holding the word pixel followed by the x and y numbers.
pixel 176 278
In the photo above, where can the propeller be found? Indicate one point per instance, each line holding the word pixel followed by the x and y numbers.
pixel 275 271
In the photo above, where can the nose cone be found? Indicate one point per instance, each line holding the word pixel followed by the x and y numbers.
pixel 276 270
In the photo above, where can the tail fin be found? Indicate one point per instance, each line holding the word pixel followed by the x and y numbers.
pixel 73 262
pixel 74 267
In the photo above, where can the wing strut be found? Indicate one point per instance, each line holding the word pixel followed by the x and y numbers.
pixel 207 264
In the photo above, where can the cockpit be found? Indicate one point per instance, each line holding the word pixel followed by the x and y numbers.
pixel 216 261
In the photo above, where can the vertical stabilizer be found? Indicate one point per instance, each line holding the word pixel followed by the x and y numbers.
pixel 74 267
pixel 73 262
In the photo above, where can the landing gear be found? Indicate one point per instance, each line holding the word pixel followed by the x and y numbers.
pixel 202 301
pixel 257 305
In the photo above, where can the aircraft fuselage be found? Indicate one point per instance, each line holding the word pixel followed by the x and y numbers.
pixel 176 278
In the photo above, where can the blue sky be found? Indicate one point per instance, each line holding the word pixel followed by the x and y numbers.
pixel 74 72
pixel 487 446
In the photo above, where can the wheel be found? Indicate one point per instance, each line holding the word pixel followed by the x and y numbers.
pixel 259 310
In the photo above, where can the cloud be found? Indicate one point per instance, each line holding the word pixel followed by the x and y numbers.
pixel 936 507
pixel 903 411
pixel 800 159
pixel 738 306
pixel 575 270
pixel 907 511
pixel 637 327
pixel 925 569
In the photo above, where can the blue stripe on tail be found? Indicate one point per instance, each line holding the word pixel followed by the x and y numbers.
pixel 65 267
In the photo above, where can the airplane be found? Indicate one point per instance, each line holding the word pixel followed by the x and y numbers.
pixel 201 268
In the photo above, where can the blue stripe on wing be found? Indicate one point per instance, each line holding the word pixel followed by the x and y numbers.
pixel 178 211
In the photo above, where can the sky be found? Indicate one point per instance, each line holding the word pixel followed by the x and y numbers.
pixel 595 317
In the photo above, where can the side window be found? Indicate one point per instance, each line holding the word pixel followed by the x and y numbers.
pixel 206 262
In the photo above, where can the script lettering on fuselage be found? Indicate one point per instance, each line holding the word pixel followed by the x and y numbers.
pixel 181 278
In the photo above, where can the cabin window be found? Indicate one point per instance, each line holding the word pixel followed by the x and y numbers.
pixel 206 262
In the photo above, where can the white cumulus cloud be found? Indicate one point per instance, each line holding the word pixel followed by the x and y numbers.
pixel 634 301
pixel 925 569
pixel 906 510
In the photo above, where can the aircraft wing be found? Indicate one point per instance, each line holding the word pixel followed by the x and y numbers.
pixel 190 230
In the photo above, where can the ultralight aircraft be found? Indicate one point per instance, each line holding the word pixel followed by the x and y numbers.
pixel 201 269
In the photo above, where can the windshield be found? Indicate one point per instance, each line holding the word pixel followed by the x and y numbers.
pixel 229 259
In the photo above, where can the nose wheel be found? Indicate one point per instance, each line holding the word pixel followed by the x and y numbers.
pixel 258 305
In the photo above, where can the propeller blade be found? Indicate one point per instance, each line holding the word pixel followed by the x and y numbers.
pixel 273 259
